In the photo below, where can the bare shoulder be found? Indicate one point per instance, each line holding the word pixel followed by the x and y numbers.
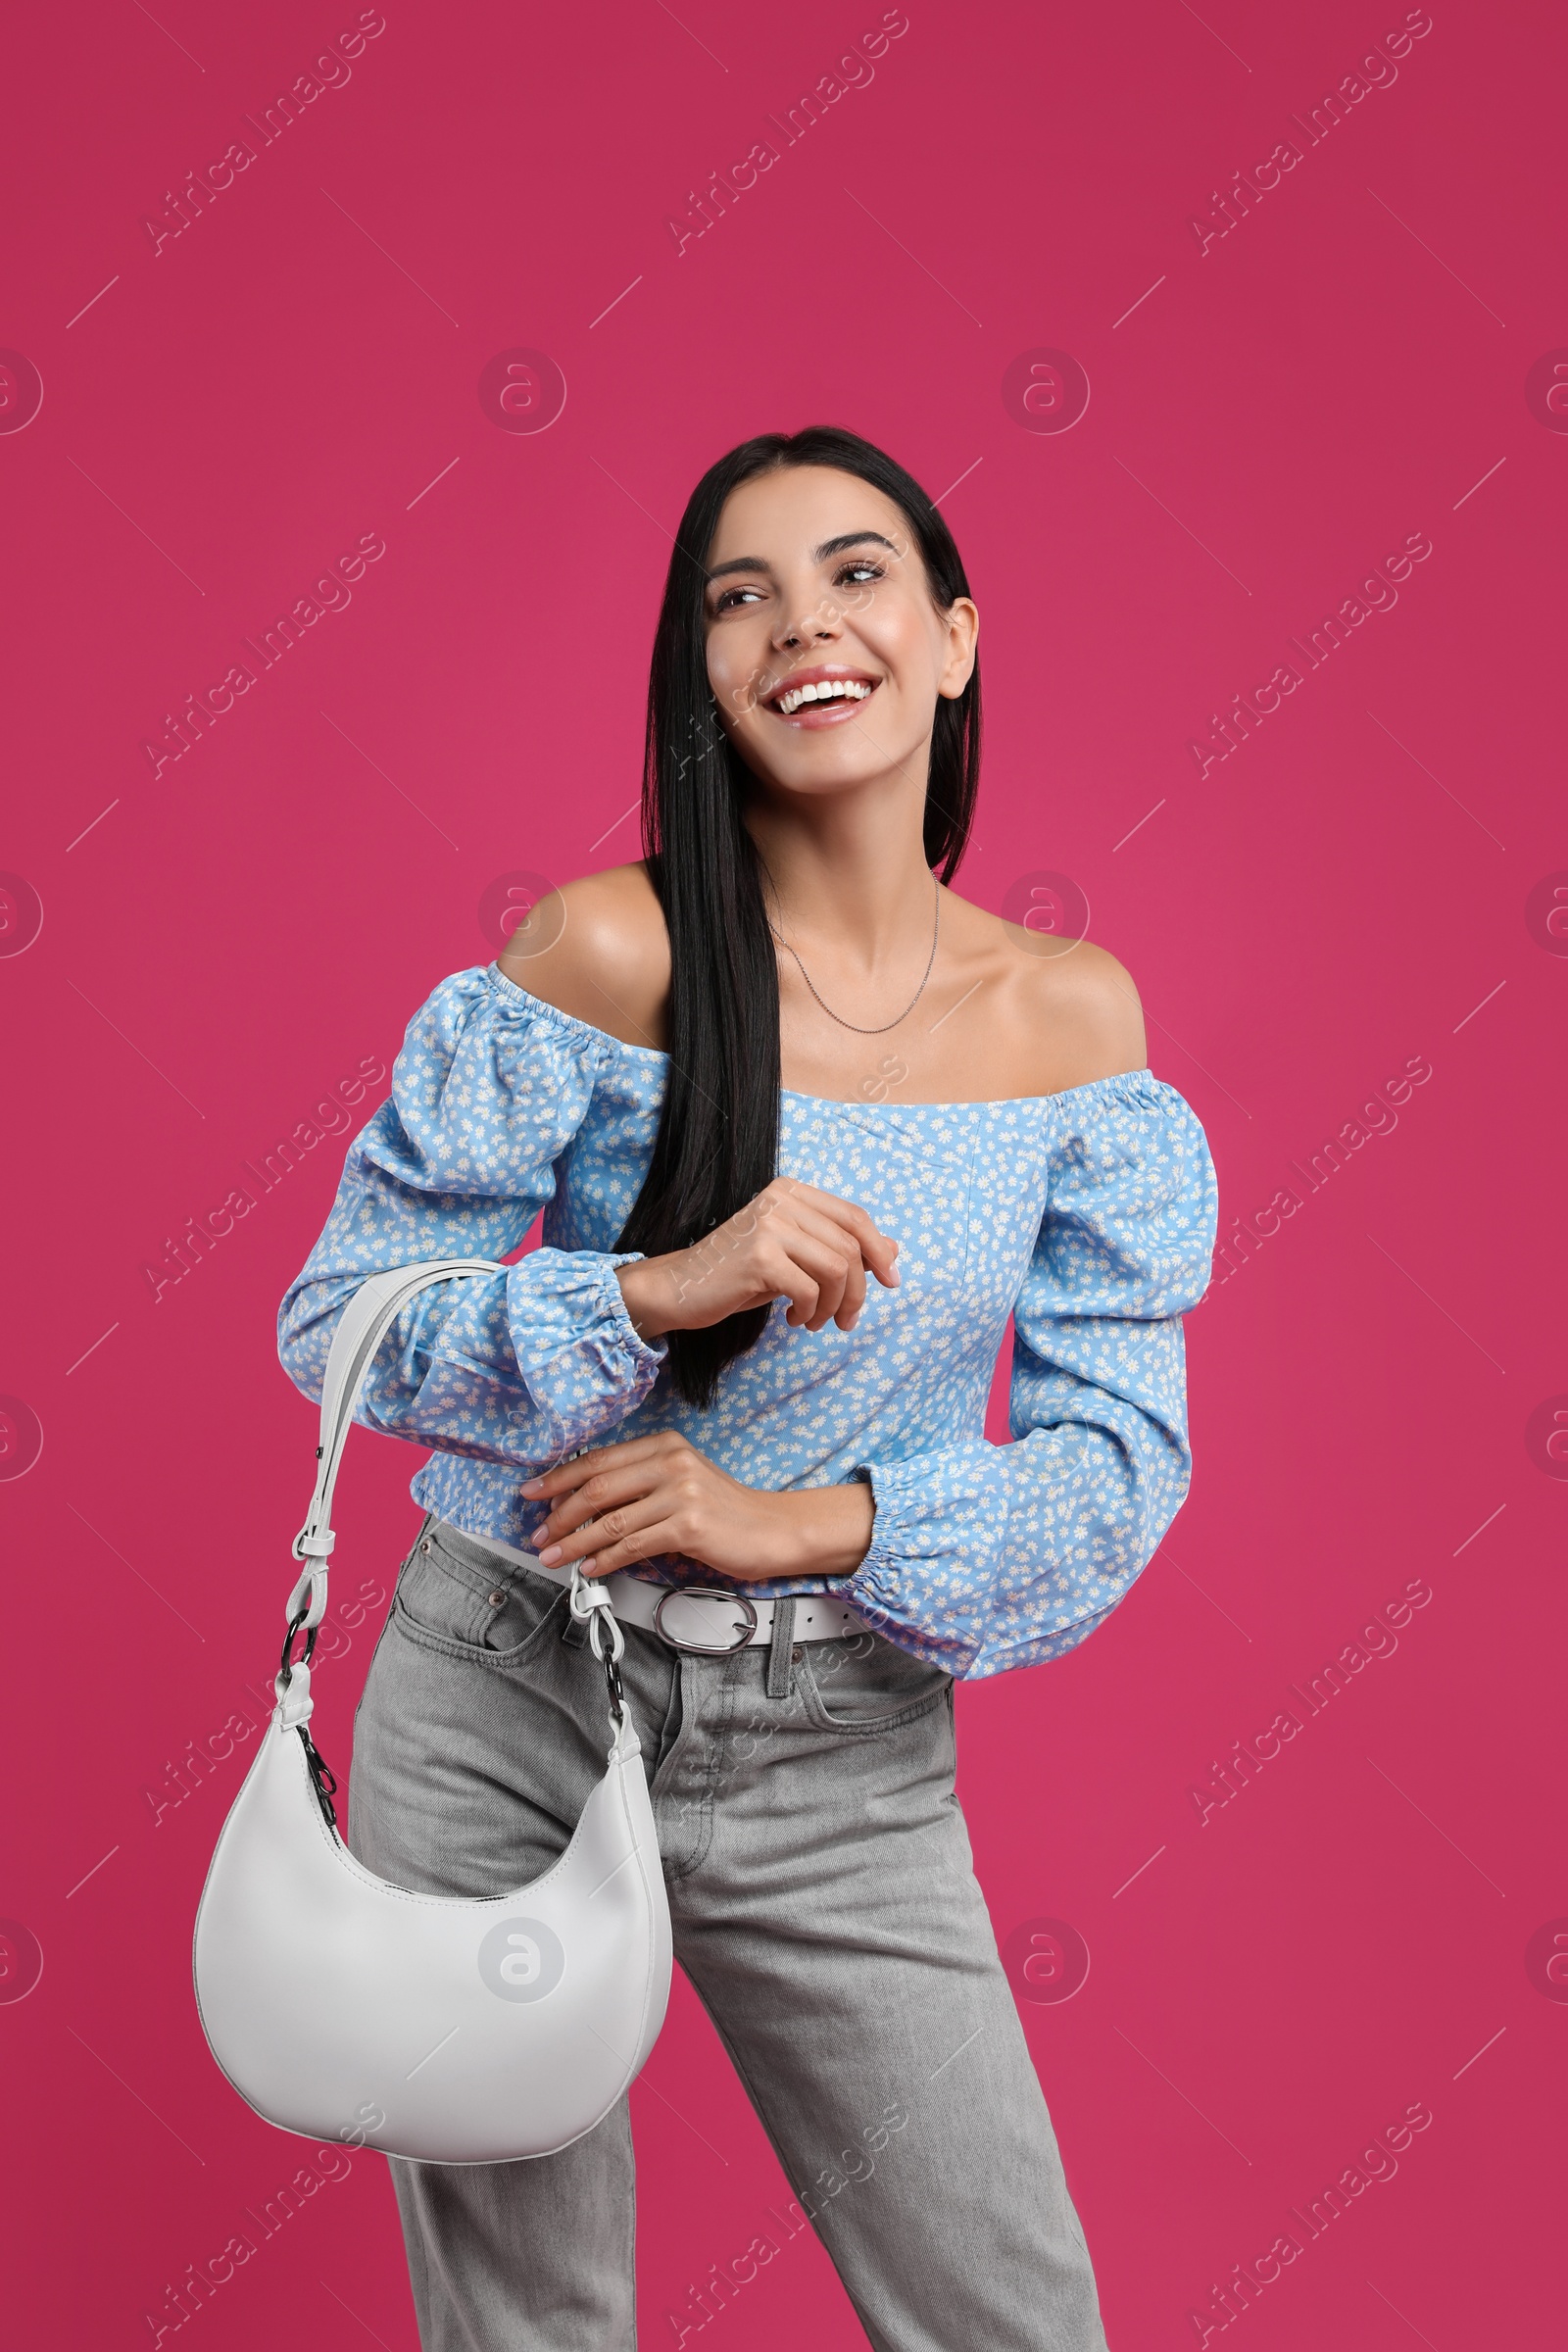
pixel 1066 1010
pixel 1086 998
pixel 597 948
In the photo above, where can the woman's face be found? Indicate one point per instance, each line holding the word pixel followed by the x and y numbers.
pixel 815 582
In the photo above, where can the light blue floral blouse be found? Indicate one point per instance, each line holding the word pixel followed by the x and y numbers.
pixel 1088 1216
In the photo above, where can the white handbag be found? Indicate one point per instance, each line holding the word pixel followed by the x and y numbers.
pixel 459 2030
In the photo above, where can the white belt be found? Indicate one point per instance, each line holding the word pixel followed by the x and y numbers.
pixel 704 1620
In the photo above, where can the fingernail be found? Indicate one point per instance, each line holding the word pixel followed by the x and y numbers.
pixel 550 1554
pixel 531 1486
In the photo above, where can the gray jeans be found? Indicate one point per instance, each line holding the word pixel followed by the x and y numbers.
pixel 825 1910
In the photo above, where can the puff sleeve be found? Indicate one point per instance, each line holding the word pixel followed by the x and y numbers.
pixel 518 1368
pixel 986 1558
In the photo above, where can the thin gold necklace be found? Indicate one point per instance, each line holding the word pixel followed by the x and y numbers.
pixel 858 1027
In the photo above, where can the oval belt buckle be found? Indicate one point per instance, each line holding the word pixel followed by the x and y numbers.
pixel 745 1626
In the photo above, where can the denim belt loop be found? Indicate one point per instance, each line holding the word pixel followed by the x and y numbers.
pixel 777 1684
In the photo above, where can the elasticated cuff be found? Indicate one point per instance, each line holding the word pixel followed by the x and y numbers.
pixel 578 1347
pixel 910 1557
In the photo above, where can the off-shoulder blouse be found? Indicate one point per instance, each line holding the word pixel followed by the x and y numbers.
pixel 1089 1216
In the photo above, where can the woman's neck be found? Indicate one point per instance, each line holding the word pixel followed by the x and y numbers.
pixel 846 872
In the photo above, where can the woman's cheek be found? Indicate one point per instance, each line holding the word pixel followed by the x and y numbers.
pixel 739 695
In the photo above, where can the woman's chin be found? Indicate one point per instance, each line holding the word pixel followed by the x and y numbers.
pixel 816 766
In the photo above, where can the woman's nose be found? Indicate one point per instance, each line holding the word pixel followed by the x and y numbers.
pixel 824 620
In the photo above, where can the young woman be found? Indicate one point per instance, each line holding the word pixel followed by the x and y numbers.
pixel 805 1128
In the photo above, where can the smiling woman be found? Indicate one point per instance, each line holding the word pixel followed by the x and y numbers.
pixel 741 1388
pixel 812 755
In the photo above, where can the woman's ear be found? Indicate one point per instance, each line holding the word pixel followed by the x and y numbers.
pixel 962 623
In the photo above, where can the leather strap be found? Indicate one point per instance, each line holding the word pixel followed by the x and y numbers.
pixel 704 1619
pixel 362 1327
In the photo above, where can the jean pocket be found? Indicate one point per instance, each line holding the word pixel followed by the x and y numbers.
pixel 456 1597
pixel 866 1682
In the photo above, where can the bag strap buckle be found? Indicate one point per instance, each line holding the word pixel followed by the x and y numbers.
pixel 592 1607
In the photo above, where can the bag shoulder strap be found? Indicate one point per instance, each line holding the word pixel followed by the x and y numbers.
pixel 363 1325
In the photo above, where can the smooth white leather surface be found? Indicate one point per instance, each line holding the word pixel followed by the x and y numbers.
pixel 463 2030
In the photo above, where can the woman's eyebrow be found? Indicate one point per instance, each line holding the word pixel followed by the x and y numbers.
pixel 819 555
pixel 836 547
pixel 740 564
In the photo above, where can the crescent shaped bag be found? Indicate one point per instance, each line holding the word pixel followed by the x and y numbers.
pixel 456 2029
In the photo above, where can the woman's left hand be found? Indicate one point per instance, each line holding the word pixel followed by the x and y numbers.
pixel 617 1504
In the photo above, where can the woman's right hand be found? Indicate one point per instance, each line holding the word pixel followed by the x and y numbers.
pixel 791 1242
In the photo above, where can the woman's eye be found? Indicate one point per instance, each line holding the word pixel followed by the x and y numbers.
pixel 730 597
pixel 858 569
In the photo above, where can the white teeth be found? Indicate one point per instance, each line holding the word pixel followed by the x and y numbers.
pixel 831 690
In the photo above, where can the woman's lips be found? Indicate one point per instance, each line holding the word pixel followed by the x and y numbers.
pixel 832 713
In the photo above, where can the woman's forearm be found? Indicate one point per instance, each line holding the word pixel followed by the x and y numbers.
pixel 831 1528
pixel 650 1288
pixel 617 1504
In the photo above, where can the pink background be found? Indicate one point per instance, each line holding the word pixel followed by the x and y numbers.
pixel 223 942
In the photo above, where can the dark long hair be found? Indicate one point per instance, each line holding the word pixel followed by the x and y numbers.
pixel 718 1141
